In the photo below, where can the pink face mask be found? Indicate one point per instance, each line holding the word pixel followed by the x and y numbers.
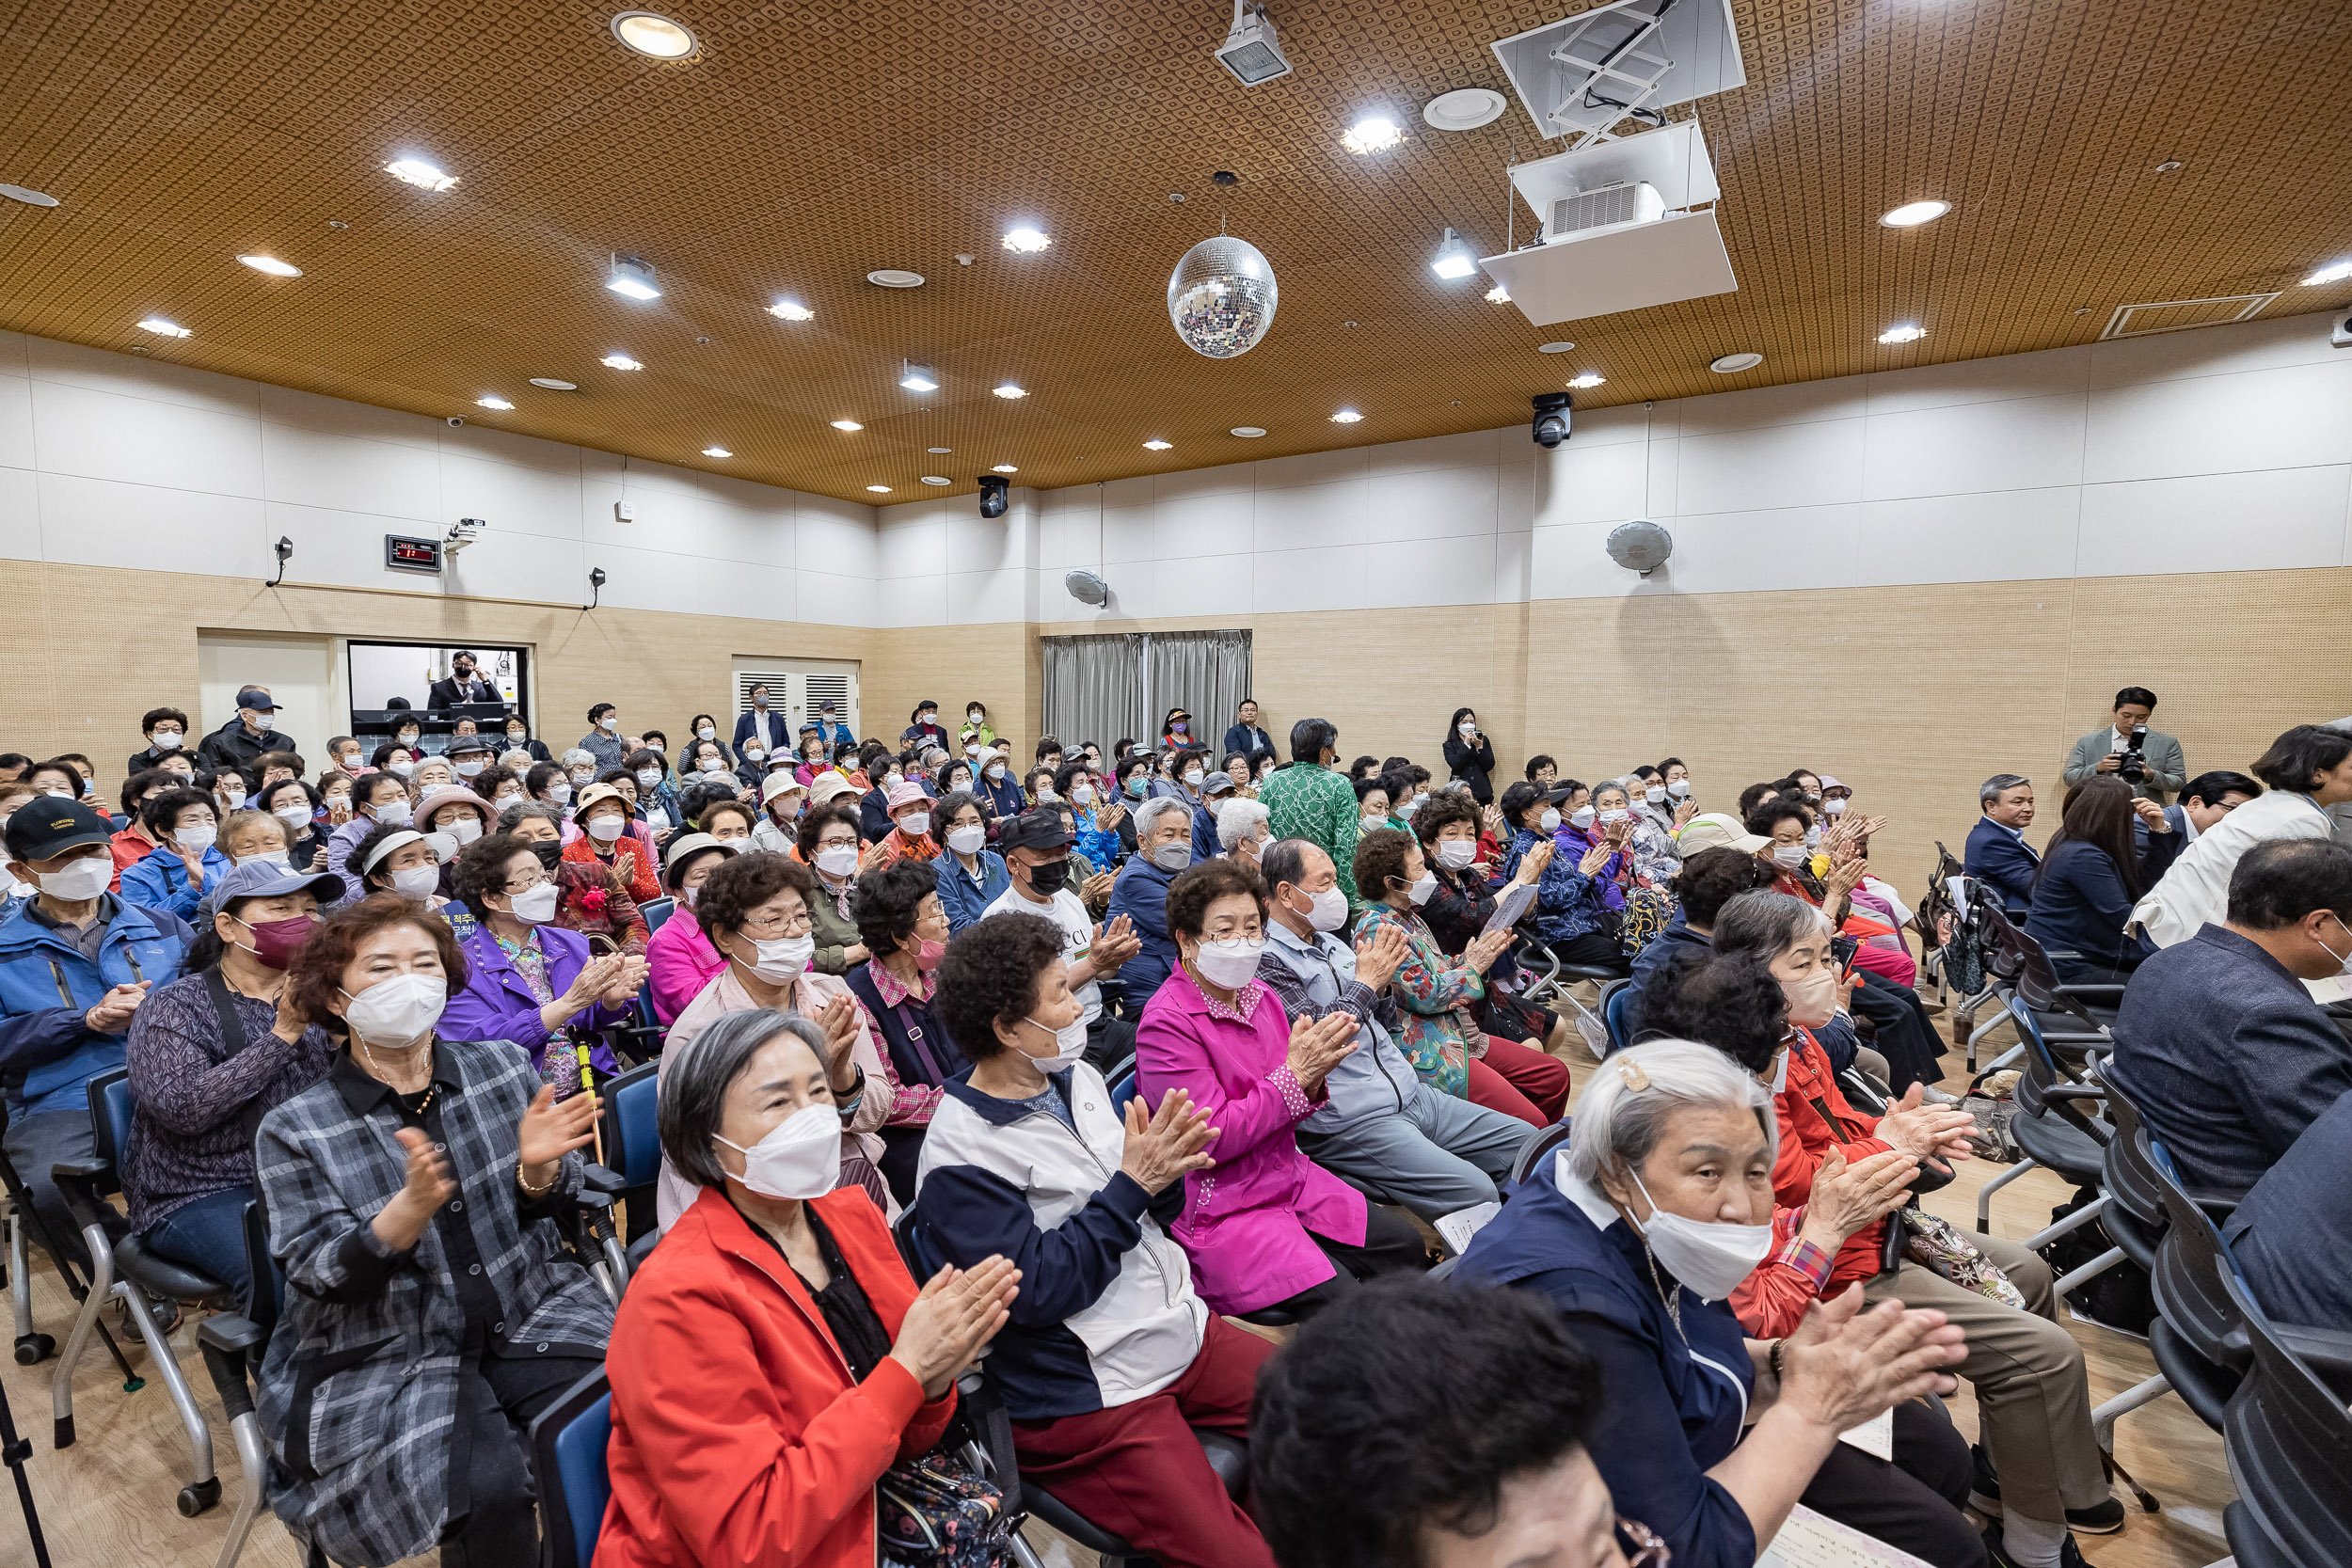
pixel 928 953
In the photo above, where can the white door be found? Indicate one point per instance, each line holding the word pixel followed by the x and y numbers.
pixel 801 687
pixel 299 671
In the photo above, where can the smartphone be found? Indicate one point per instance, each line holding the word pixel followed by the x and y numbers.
pixel 1843 949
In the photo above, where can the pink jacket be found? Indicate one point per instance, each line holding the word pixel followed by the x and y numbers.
pixel 1245 1219
pixel 679 962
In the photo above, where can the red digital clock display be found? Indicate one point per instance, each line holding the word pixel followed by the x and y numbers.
pixel 410 554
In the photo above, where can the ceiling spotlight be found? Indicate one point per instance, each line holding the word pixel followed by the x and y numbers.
pixel 1011 389
pixel 847 424
pixel 1454 258
pixel 1247 431
pixel 1912 215
pixel 632 277
pixel 164 326
pixel 1463 109
pixel 917 378
pixel 995 495
pixel 491 399
pixel 555 384
pixel 1551 418
pixel 895 277
pixel 1372 134
pixel 791 311
pixel 1589 379
pixel 622 362
pixel 2334 272
pixel 656 36
pixel 417 172
pixel 880 490
pixel 717 452
pixel 1157 445
pixel 1499 294
pixel 1026 240
pixel 1553 348
pixel 1250 50
pixel 1909 332
pixel 271 265
pixel 1346 416
pixel 29 195
pixel 1006 469
pixel 1732 364
pixel 937 479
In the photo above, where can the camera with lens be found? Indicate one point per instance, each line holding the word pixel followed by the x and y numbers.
pixel 2133 768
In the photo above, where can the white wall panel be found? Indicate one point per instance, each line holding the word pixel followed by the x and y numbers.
pixel 1433 503
pixel 2020 444
pixel 1814 464
pixel 1429 572
pixel 100 522
pixel 20 515
pixel 306 469
pixel 522 503
pixel 105 435
pixel 2291 417
pixel 1328 578
pixel 1993 536
pixel 16 423
pixel 1311 516
pixel 2215 523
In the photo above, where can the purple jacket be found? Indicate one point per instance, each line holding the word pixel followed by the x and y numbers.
pixel 495 1004
pixel 1573 844
pixel 1245 1219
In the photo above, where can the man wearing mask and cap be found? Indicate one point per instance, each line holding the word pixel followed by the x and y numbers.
pixel 238 743
pixel 1037 855
pixel 463 684
pixel 830 729
pixel 923 728
pixel 762 724
pixel 468 754
pixel 75 962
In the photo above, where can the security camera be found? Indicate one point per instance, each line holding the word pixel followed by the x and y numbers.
pixel 454 419
pixel 2340 332
pixel 463 533
pixel 1551 418
pixel 995 495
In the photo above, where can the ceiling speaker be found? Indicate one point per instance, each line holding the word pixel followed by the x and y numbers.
pixel 1086 588
pixel 1639 546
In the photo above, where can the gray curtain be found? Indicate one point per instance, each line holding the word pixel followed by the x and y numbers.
pixel 1094 688
pixel 1205 672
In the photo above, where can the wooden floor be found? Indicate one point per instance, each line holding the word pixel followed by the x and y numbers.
pixel 108 1499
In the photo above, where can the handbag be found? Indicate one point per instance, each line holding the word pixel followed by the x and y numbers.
pixel 937 1511
pixel 1937 1243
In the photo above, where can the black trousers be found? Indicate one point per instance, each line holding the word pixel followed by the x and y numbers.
pixel 1392 1246
pixel 493 1518
pixel 1914 1502
pixel 1593 950
pixel 1901 1032
pixel 1110 1041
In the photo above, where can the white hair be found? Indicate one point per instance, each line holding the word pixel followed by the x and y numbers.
pixel 576 757
pixel 1152 809
pixel 1624 1109
pixel 1237 820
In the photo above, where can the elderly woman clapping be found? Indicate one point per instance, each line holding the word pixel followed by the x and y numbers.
pixel 1658 1208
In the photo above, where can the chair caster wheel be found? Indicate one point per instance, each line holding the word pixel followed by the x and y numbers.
pixel 33 1349
pixel 198 1497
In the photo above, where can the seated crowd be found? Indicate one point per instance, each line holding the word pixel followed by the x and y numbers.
pixel 1077 1066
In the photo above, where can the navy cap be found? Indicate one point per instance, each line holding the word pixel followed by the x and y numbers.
pixel 1033 829
pixel 259 878
pixel 49 825
pixel 254 697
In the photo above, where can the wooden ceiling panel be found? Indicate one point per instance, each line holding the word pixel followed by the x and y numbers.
pixel 804 148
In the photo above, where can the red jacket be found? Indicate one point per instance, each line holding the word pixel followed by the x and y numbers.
pixel 1806 1141
pixel 738 1435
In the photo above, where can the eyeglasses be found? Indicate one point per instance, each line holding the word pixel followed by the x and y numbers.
pixel 512 891
pixel 780 924
pixel 1648 1551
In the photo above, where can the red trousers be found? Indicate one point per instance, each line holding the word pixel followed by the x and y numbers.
pixel 1519 1080
pixel 1139 1472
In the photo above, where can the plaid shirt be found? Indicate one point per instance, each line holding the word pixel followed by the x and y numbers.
pixel 1770 1301
pixel 361 1384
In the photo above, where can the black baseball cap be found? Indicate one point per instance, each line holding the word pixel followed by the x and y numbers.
pixel 48 825
pixel 1033 829
pixel 257 699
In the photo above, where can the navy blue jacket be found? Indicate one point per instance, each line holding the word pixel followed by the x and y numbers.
pixel 2227 1058
pixel 1140 893
pixel 2003 862
pixel 873 816
pixel 2079 906
pixel 1677 938
pixel 48 1050
pixel 1205 844
pixel 1245 740
pixel 2294 1232
pixel 1673 1408
pixel 1004 797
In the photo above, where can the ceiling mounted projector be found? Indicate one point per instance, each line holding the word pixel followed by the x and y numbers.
pixel 1250 51
pixel 1639 546
pixel 1086 588
pixel 1585 76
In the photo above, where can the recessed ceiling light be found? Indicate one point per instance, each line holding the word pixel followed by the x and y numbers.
pixel 1247 431
pixel 632 276
pixel 271 265
pixel 717 452
pixel 1372 134
pixel 417 172
pixel 939 452
pixel 1011 389
pixel 1463 109
pixel 1157 445
pixel 555 384
pixel 880 490
pixel 895 277
pixel 2169 167
pixel 491 399
pixel 935 479
pixel 1006 469
pixel 1909 332
pixel 1346 416
pixel 1732 364
pixel 2334 272
pixel 164 326
pixel 791 311
pixel 1455 256
pixel 29 195
pixel 622 362
pixel 1499 294
pixel 918 378
pixel 1589 379
pixel 1026 240
pixel 1553 348
pixel 847 424
pixel 657 35
pixel 1913 213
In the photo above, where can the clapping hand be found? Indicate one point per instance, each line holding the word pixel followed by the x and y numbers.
pixel 839 1022
pixel 1485 949
pixel 1848 1199
pixel 1532 863
pixel 1843 1365
pixel 952 1321
pixel 626 981
pixel 553 1128
pixel 1167 1145
pixel 1684 812
pixel 1115 942
pixel 1931 1132
pixel 1320 1044
pixel 113 1010
pixel 1379 954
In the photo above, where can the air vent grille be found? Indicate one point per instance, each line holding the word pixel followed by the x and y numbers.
pixel 2179 315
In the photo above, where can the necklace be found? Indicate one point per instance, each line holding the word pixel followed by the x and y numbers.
pixel 377 1071
pixel 1671 1299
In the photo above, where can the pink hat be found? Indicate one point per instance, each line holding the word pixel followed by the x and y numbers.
pixel 905 792
pixel 451 795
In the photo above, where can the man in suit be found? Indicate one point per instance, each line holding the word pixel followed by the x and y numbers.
pixel 2205 800
pixel 464 683
pixel 2218 1042
pixel 1997 854
pixel 2159 767
pixel 761 722
pixel 1246 738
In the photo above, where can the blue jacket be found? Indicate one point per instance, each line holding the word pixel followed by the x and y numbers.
pixel 873 816
pixel 2294 1232
pixel 1205 844
pixel 1677 938
pixel 2003 862
pixel 1675 1408
pixel 2227 1057
pixel 160 881
pixel 1004 797
pixel 1102 847
pixel 1244 740
pixel 1140 893
pixel 1569 903
pixel 2080 906
pixel 777 725
pixel 47 1052
pixel 963 900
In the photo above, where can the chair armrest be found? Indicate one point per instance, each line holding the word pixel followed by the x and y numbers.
pixel 80 1170
pixel 2327 1350
pixel 227 1330
pixel 2075 1091
pixel 598 1179
pixel 229 1343
pixel 84 1185
pixel 2088 990
pixel 594 1201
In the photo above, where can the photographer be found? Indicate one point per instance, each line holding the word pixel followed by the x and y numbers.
pixel 2148 760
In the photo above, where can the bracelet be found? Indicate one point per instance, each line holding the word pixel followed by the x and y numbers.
pixel 529 1191
pixel 846 1104
pixel 1773 1358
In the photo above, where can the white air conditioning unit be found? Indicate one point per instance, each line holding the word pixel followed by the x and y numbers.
pixel 1602 211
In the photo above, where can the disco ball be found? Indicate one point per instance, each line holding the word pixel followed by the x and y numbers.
pixel 1221 297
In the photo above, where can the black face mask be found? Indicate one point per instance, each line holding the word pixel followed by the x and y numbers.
pixel 1047 878
pixel 548 851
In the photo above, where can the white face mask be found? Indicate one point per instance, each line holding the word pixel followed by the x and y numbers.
pixel 1045 796
pixel 1655 795
pixel 1680 789
pixel 1835 808
pixel 1371 824
pixel 837 861
pixel 1419 893
pixel 507 797
pixel 914 824
pixel 1812 838
pixel 1328 911
pixel 1173 857
pixel 583 775
pixel 608 724
pixel 406 744
pixel 1455 854
pixel 1709 1257
pixel 1581 818
pixel 1780 1074
pixel 995 772
pixel 648 777
pixel 398 1011
pixel 275 857
pixel 517 739
pixel 785 960
pixel 1070 1046
pixel 418 882
pixel 1232 963
pixel 469 768
pixel 79 880
pixel 1789 854
pixel 395 811
pixel 706 733
pixel 753 753
pixel 1549 821
pixel 2341 958
pixel 465 830
pixel 605 830
pixel 1192 777
pixel 233 795
pixel 799 1158
pixel 1411 806
pixel 199 838
pixel 404 768
pixel 1082 794
pixel 966 841
pixel 1615 814
pixel 164 740
pixel 975 715
pixel 560 792
pixel 295 817
pixel 535 905
pixel 1465 728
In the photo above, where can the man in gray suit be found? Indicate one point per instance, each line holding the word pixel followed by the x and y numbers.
pixel 2159 767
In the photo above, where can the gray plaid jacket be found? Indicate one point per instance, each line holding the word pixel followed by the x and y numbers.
pixel 358 1390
